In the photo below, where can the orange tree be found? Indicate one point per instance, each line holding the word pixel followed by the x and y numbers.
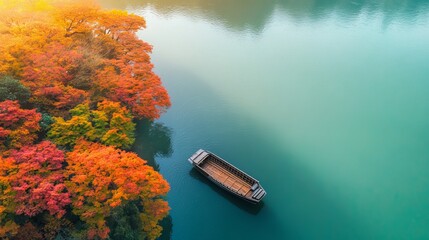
pixel 101 178
pixel 70 53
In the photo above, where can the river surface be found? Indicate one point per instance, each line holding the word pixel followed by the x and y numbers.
pixel 325 102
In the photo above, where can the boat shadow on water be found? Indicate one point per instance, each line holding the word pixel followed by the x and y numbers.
pixel 253 209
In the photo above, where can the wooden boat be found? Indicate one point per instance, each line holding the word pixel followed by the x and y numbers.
pixel 227 176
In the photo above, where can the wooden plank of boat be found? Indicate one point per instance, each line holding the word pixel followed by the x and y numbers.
pixel 227 176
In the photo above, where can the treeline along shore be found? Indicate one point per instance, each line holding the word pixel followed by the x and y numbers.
pixel 74 78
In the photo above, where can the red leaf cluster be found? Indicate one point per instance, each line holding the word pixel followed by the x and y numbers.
pixel 18 126
pixel 39 182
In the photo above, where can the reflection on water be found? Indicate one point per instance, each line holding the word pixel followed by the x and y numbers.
pixel 152 140
pixel 246 206
pixel 167 228
pixel 253 15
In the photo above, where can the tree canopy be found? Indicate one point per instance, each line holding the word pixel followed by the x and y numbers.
pixel 12 89
pixel 109 124
pixel 67 54
pixel 102 178
pixel 73 80
pixel 18 127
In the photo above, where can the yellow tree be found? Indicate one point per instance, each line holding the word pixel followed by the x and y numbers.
pixel 110 124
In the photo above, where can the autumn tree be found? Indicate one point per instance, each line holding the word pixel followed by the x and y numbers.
pixel 89 75
pixel 46 227
pixel 38 183
pixel 123 71
pixel 155 211
pixel 146 98
pixel 18 127
pixel 110 124
pixel 127 72
pixel 77 18
pixel 67 132
pixel 26 28
pixel 102 178
pixel 8 227
pixel 28 229
pixel 70 53
pixel 49 76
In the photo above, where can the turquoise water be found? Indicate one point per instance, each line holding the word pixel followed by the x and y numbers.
pixel 325 102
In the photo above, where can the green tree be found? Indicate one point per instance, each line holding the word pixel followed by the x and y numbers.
pixel 12 89
pixel 46 122
pixel 124 222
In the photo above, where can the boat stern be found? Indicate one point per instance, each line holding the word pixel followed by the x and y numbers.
pixel 198 157
pixel 258 193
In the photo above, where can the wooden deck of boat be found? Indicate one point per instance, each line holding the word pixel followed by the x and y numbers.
pixel 224 176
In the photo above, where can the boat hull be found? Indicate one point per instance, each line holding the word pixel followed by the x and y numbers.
pixel 226 189
pixel 227 176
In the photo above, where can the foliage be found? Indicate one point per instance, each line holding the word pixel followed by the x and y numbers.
pixel 124 222
pixel 18 126
pixel 53 227
pixel 67 54
pixel 155 210
pixel 90 75
pixel 8 227
pixel 39 181
pixel 44 227
pixel 109 124
pixel 12 89
pixel 46 122
pixel 102 178
pixel 28 230
pixel 48 75
pixel 66 133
